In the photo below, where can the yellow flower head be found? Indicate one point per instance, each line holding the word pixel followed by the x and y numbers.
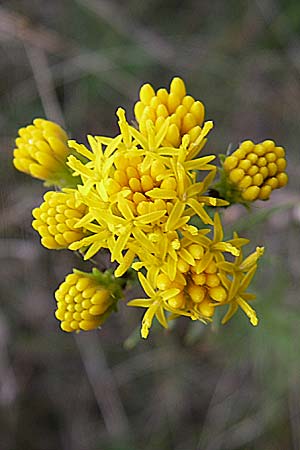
pixel 198 280
pixel 56 218
pixel 194 292
pixel 238 276
pixel 143 196
pixel 41 151
pixel 184 113
pixel 134 186
pixel 192 281
pixel 203 282
pixel 84 300
pixel 254 171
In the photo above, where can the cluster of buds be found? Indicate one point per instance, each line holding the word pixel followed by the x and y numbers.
pixel 41 151
pixel 184 114
pixel 84 300
pixel 56 218
pixel 252 172
pixel 145 196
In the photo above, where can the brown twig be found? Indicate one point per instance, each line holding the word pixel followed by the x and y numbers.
pixel 44 83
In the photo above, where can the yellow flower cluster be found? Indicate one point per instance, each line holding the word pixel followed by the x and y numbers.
pixel 84 300
pixel 139 192
pixel 144 196
pixel 255 170
pixel 56 218
pixel 199 280
pixel 41 151
pixel 185 115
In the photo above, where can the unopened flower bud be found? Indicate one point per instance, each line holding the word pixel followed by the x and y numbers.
pixel 252 172
pixel 41 151
pixel 56 218
pixel 85 300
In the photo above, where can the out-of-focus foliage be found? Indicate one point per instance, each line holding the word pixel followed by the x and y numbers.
pixel 196 387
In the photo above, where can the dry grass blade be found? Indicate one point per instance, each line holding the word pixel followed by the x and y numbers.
pixel 44 83
pixel 104 387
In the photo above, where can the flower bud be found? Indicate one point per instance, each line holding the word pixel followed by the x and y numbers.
pixel 186 115
pixel 41 151
pixel 55 220
pixel 252 172
pixel 85 300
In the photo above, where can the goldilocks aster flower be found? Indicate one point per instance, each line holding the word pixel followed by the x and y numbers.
pixel 143 195
pixel 138 188
pixel 201 281
pixel 239 275
pixel 170 252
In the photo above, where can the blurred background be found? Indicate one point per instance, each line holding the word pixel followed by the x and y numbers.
pixel 196 387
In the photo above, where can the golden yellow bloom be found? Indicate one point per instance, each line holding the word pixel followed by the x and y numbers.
pixel 164 250
pixel 146 196
pixel 156 304
pixel 193 269
pixel 239 274
pixel 255 170
pixel 84 300
pixel 41 151
pixel 56 219
pixel 133 187
pixel 184 113
pixel 203 282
